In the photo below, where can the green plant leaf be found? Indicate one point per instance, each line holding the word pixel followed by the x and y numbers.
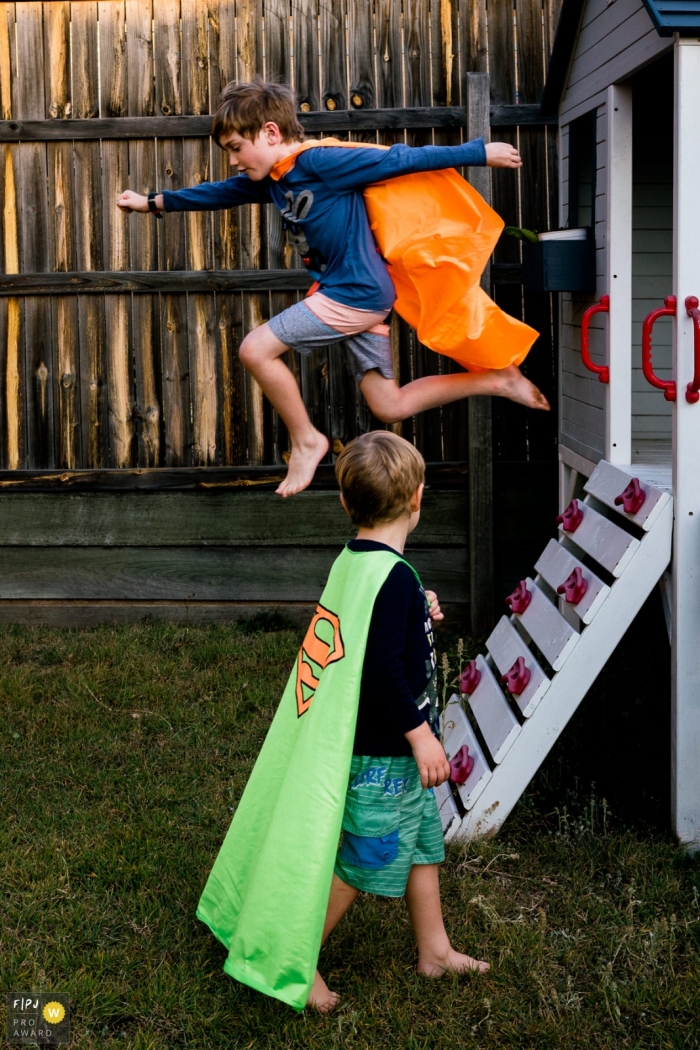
pixel 521 235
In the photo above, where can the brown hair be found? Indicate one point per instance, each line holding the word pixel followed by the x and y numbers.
pixel 378 473
pixel 246 107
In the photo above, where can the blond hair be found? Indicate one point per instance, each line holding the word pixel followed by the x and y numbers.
pixel 247 107
pixel 378 473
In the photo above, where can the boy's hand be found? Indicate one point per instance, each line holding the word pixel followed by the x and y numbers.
pixel 436 613
pixel 502 155
pixel 430 756
pixel 130 201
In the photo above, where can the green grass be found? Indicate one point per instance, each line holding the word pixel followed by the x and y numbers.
pixel 122 753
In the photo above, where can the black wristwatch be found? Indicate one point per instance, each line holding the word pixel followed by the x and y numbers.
pixel 152 204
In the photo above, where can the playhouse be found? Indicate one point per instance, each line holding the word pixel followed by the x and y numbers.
pixel 624 82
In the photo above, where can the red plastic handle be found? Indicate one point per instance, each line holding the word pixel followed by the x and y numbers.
pixel 574 587
pixel 572 517
pixel 632 499
pixel 667 385
pixel 461 765
pixel 602 307
pixel 692 391
pixel 470 678
pixel 517 678
pixel 519 600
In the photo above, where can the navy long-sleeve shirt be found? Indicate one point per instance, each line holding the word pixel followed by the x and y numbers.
pixel 320 199
pixel 398 691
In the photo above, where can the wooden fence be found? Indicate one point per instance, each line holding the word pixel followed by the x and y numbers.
pixel 119 335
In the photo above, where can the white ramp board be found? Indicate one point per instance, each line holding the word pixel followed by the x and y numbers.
pixel 505 646
pixel 456 731
pixel 498 724
pixel 556 564
pixel 611 546
pixel 552 634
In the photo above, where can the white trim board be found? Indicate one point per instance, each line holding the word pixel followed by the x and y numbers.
pixel 576 462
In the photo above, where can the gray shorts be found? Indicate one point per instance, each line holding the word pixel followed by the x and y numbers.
pixel 300 329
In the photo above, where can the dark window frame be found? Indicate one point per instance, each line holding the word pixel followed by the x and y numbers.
pixel 582 137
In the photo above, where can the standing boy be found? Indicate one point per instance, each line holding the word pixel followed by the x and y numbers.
pixel 320 198
pixel 352 754
pixel 392 839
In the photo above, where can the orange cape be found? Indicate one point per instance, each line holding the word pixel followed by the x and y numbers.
pixel 436 234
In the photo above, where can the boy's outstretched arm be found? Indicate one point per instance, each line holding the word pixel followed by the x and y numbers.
pixel 209 196
pixel 346 169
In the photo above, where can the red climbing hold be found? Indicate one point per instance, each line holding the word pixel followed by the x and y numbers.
pixel 632 498
pixel 574 587
pixel 461 765
pixel 572 517
pixel 470 678
pixel 517 678
pixel 519 600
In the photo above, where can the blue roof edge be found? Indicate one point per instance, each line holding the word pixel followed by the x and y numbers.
pixel 674 16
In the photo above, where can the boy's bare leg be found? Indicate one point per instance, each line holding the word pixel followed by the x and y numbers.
pixel 260 353
pixel 391 403
pixel 341 897
pixel 435 953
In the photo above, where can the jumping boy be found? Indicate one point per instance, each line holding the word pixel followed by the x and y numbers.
pixel 320 198
pixel 339 801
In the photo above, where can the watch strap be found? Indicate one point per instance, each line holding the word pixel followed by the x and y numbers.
pixel 152 205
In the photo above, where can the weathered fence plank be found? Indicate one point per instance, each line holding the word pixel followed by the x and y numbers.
pixel 417 361
pixel 87 226
pixel 115 225
pixel 480 450
pixel 389 48
pixel 253 309
pixel 67 438
pixel 320 123
pixel 361 90
pixel 33 224
pixel 214 517
pixel 142 236
pixel 172 316
pixel 538 307
pixel 235 574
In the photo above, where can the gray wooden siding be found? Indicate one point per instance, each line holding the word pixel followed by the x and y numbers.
pixel 652 279
pixel 614 40
pixel 582 396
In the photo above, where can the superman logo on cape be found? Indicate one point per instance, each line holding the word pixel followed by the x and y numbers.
pixel 317 651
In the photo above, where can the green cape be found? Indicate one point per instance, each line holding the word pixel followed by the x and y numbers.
pixel 267 893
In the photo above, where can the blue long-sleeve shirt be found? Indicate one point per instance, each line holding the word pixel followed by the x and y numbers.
pixel 323 212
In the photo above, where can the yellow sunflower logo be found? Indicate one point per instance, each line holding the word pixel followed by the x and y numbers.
pixel 54 1012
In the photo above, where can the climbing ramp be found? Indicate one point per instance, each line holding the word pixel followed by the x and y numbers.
pixel 564 624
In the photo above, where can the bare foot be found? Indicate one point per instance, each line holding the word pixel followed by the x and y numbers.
pixel 452 962
pixel 519 389
pixel 322 998
pixel 302 464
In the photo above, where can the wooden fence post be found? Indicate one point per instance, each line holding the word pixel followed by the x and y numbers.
pixel 480 454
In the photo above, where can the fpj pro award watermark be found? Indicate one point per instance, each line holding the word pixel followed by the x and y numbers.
pixel 42 1018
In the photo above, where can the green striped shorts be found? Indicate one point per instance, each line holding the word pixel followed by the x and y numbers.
pixel 390 823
